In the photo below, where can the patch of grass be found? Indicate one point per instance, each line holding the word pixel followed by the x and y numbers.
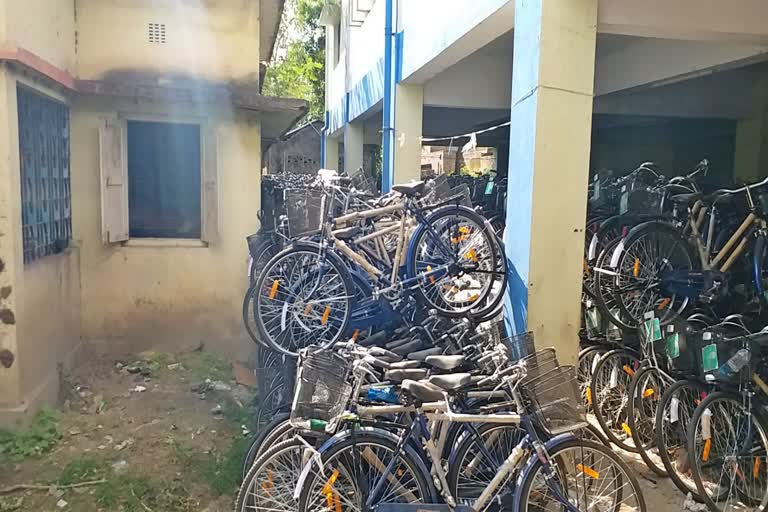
pixel 205 365
pixel 221 471
pixel 83 469
pixel 157 360
pixel 41 436
pixel 236 415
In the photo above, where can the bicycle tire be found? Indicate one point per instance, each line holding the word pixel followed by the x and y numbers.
pixel 249 317
pixel 288 451
pixel 715 503
pixel 457 461
pixel 412 263
pixel 641 403
pixel 331 329
pixel 620 380
pixel 266 249
pixel 266 437
pixel 587 361
pixel 360 439
pixel 603 288
pixel 670 440
pixel 492 301
pixel 630 264
pixel 559 455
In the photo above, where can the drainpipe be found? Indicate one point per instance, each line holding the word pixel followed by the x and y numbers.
pixel 388 104
pixel 323 137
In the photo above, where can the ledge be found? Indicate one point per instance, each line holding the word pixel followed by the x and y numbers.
pixel 165 242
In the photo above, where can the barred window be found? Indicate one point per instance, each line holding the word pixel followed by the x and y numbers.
pixel 45 188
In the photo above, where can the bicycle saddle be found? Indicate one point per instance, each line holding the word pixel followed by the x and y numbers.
pixel 686 198
pixel 347 233
pixel 451 382
pixel 422 355
pixel 445 362
pixel 405 365
pixel 401 375
pixel 422 390
pixel 414 188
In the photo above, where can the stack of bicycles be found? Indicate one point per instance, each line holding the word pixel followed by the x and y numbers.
pixel 345 263
pixel 479 429
pixel 672 348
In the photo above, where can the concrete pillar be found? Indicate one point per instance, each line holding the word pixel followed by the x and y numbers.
pixel 11 254
pixel 750 161
pixel 331 153
pixel 409 113
pixel 552 89
pixel 354 140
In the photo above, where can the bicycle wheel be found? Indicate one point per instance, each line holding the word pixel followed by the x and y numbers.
pixel 610 399
pixel 477 459
pixel 586 475
pixel 727 443
pixel 603 284
pixel 457 240
pixel 304 297
pixel 673 415
pixel 277 430
pixel 498 287
pixel 588 359
pixel 645 389
pixel 351 470
pixel 648 254
pixel 249 317
pixel 265 250
pixel 275 401
pixel 272 478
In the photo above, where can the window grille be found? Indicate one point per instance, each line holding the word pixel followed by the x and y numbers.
pixel 45 185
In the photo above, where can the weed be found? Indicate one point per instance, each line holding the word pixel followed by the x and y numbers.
pixel 205 365
pixel 82 469
pixel 221 472
pixel 41 436
pixel 237 415
pixel 156 360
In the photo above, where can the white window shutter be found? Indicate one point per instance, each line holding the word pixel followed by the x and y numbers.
pixel 210 187
pixel 114 181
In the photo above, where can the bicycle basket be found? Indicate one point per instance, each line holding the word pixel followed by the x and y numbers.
pixel 462 195
pixel 322 388
pixel 363 183
pixel 520 346
pixel 553 391
pixel 305 211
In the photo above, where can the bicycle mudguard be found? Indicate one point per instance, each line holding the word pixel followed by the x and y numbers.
pixel 372 432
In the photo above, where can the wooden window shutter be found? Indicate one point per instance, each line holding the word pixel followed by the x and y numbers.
pixel 114 181
pixel 210 187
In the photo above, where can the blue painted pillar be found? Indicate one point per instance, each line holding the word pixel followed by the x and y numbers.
pixel 551 118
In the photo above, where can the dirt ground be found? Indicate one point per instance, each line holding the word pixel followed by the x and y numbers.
pixel 157 433
pixel 136 426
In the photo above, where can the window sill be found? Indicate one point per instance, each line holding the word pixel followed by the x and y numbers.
pixel 164 242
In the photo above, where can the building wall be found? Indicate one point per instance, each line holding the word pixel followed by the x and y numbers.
pixel 215 40
pixel 43 27
pixel 48 287
pixel 300 153
pixel 169 296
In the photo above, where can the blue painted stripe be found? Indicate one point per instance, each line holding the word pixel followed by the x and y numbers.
pixel 399 56
pixel 323 140
pixel 388 135
pixel 367 92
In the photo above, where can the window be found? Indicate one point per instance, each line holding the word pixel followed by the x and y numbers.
pixel 163 180
pixel 158 180
pixel 45 190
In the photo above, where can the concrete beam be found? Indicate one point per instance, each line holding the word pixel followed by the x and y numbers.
pixel 354 139
pixel 434 42
pixel 736 21
pixel 650 62
pixel 409 113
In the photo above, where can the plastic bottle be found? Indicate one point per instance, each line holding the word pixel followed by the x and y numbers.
pixel 384 394
pixel 736 362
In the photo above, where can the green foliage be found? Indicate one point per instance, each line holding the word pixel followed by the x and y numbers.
pixel 83 469
pixel 40 438
pixel 221 472
pixel 205 365
pixel 298 63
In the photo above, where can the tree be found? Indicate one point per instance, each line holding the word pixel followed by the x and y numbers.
pixel 298 62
